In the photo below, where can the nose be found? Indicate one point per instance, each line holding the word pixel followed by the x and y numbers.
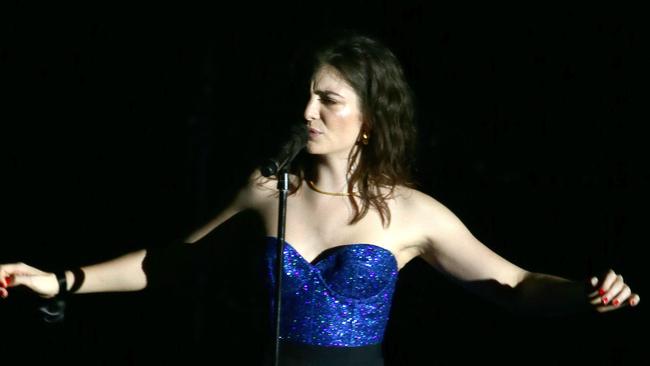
pixel 311 109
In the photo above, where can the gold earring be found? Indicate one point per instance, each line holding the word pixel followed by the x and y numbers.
pixel 364 139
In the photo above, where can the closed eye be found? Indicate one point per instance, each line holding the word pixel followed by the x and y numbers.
pixel 326 96
pixel 327 101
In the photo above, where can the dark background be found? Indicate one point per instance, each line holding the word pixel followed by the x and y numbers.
pixel 126 127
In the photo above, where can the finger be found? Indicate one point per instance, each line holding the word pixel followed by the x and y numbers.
pixel 595 301
pixel 619 300
pixel 607 282
pixel 3 293
pixel 3 276
pixel 598 288
pixel 607 308
pixel 632 301
pixel 6 281
pixel 614 289
pixel 594 283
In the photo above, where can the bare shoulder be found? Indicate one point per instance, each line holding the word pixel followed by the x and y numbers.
pixel 421 210
pixel 415 201
pixel 415 215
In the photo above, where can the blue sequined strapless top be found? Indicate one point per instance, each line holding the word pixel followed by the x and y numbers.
pixel 342 299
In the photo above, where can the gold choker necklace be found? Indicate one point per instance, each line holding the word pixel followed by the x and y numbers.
pixel 313 186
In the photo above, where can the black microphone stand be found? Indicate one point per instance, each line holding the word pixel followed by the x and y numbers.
pixel 280 168
pixel 283 188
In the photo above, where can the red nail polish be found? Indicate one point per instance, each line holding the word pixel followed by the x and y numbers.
pixel 615 302
pixel 8 279
pixel 605 300
pixel 601 292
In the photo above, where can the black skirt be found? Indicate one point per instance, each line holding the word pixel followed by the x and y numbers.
pixel 297 354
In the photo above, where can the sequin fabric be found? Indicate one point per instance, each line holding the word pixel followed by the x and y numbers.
pixel 343 299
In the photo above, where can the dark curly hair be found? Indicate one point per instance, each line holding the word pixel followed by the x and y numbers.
pixel 386 104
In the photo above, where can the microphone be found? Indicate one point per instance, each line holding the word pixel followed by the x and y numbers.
pixel 297 141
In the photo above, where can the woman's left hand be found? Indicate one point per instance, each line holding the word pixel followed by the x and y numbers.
pixel 611 293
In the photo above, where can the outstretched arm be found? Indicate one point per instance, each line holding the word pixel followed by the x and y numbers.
pixel 451 248
pixel 125 273
pixel 121 274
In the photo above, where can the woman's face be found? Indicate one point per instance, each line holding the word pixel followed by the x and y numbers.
pixel 333 110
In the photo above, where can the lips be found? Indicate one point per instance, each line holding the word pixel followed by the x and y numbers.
pixel 313 133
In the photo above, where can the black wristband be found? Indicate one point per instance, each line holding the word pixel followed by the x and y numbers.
pixel 63 283
pixel 79 277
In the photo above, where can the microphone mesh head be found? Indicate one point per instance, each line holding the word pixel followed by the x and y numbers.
pixel 298 136
pixel 300 132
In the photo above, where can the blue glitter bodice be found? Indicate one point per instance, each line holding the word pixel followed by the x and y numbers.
pixel 343 299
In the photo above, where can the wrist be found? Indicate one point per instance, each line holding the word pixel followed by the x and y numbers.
pixel 62 283
pixel 69 276
pixel 74 278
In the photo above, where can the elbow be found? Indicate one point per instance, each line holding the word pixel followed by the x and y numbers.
pixel 521 277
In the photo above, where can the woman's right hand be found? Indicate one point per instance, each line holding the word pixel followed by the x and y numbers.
pixel 42 283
